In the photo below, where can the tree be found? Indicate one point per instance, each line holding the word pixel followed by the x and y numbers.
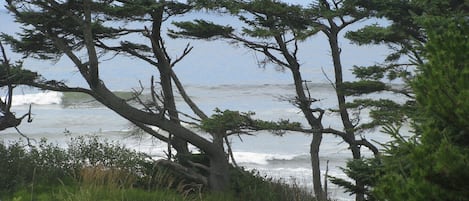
pixel 52 29
pixel 275 29
pixel 406 35
pixel 334 17
pixel 432 167
pixel 270 24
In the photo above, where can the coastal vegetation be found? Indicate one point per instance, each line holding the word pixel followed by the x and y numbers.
pixel 429 43
pixel 92 168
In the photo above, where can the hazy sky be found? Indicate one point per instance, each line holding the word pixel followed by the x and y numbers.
pixel 213 62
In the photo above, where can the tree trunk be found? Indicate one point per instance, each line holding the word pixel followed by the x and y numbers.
pixel 347 123
pixel 164 67
pixel 304 104
pixel 319 192
pixel 219 178
pixel 169 103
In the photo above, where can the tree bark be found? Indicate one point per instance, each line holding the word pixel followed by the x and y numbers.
pixel 316 124
pixel 304 104
pixel 319 192
pixel 219 177
pixel 347 123
pixel 164 67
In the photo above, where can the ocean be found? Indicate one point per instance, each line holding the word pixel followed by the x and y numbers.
pixel 59 116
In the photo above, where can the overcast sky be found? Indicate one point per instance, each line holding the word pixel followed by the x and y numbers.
pixel 214 62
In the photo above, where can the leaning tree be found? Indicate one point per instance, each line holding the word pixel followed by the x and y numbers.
pixel 84 31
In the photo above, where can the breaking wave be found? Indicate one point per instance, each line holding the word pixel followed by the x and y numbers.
pixel 42 98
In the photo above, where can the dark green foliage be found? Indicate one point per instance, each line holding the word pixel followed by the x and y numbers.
pixel 361 87
pixel 443 86
pixel 368 72
pixel 375 34
pixel 201 29
pixel 237 122
pixel 273 18
pixel 264 19
pixel 277 127
pixel 361 170
pixel 138 10
pixel 382 112
pixel 223 121
pixel 15 74
pixel 52 20
pixel 435 167
pixel 401 31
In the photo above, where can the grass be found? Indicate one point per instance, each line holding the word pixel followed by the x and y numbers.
pixel 95 170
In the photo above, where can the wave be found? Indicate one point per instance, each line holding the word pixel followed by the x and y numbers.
pixel 42 98
pixel 63 98
pixel 261 158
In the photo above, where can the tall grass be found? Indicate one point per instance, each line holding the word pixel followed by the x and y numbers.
pixel 92 169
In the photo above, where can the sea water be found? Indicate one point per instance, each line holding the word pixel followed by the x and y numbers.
pixel 59 116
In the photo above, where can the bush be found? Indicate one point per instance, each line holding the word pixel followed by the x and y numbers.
pixel 49 165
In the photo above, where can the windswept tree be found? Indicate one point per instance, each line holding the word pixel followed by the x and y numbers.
pixel 85 31
pixel 275 29
pixel 275 32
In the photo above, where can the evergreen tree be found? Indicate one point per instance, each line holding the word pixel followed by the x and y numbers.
pixel 434 165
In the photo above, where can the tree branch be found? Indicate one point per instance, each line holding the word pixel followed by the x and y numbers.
pixel 186 97
pixel 185 52
pixel 367 144
pixel 89 42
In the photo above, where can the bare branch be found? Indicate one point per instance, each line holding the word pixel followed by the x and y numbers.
pixel 185 52
pixel 25 136
pixel 328 79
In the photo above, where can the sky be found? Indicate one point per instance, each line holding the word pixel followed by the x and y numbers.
pixel 213 62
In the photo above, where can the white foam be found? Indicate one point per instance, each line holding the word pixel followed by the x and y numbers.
pixel 43 98
pixel 260 158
